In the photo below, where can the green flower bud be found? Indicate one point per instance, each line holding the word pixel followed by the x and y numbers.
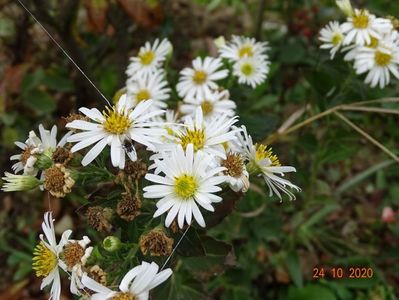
pixel 19 182
pixel 112 243
pixel 43 162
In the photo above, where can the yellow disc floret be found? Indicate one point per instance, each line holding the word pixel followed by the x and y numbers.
pixel 207 107
pixel 245 51
pixel 336 39
pixel 247 69
pixel 116 122
pixel 262 152
pixel 199 77
pixel 146 57
pixel 185 186
pixel 143 95
pixel 373 43
pixel 195 137
pixel 360 20
pixel 44 260
pixel 123 296
pixel 382 59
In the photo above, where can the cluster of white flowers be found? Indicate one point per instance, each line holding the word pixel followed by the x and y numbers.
pixel 196 152
pixel 249 58
pixel 372 43
pixel 71 256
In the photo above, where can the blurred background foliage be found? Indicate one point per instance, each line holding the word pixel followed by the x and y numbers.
pixel 346 180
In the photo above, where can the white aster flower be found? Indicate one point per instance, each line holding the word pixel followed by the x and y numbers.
pixel 117 127
pixel 136 284
pixel 152 87
pixel 200 80
pixel 13 183
pixel 263 162
pixel 251 71
pixel 74 256
pixel 213 105
pixel 149 59
pixel 46 259
pixel 345 6
pixel 332 37
pixel 362 26
pixel 241 46
pixel 46 143
pixel 208 136
pixel 379 61
pixel 189 181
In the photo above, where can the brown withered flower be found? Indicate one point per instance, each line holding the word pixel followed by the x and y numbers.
pixel 156 243
pixel 62 155
pixel 57 181
pixel 98 274
pixel 99 218
pixel 135 169
pixel 128 207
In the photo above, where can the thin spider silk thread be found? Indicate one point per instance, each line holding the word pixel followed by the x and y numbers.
pixel 66 54
pixel 174 249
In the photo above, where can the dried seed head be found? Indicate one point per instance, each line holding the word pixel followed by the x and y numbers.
pixel 156 243
pixel 98 274
pixel 72 254
pixel 234 164
pixel 99 218
pixel 72 117
pixel 135 169
pixel 62 155
pixel 128 207
pixel 57 181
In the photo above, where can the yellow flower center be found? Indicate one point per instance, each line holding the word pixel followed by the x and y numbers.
pixel 245 51
pixel 382 59
pixel 207 107
pixel 195 137
pixel 115 122
pixel 373 43
pixel 143 95
pixel 336 39
pixel 147 57
pixel 185 186
pixel 247 69
pixel 123 296
pixel 262 153
pixel 360 20
pixel 44 260
pixel 199 77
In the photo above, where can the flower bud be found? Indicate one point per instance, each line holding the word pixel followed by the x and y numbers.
pixel 112 243
pixel 43 162
pixel 14 183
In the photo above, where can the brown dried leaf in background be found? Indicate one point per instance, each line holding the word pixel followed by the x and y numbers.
pixel 97 14
pixel 142 13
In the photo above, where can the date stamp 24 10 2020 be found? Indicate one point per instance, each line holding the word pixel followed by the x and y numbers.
pixel 342 272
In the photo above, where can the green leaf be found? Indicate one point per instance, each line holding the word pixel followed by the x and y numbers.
pixel 31 81
pixel 58 83
pixel 294 268
pixel 310 292
pixel 40 101
pixel 191 244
